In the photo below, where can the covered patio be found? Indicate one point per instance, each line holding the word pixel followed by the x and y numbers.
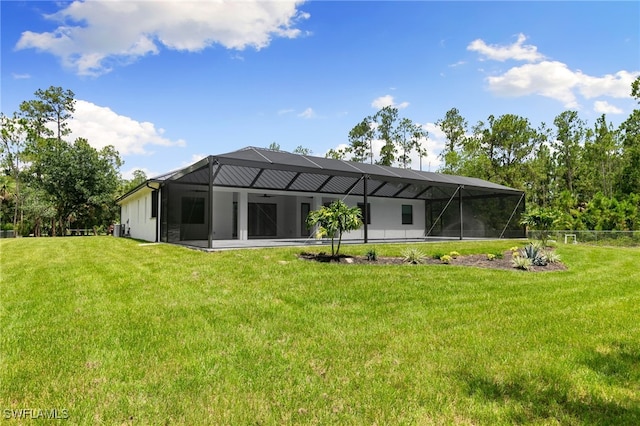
pixel 256 194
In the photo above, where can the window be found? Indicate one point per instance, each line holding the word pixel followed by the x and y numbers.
pixel 154 203
pixel 361 207
pixel 407 214
pixel 193 210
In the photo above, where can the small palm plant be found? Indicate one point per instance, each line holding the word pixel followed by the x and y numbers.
pixel 335 220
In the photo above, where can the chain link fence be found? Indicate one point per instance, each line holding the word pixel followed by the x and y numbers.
pixel 604 238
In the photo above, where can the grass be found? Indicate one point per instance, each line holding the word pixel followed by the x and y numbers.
pixel 115 332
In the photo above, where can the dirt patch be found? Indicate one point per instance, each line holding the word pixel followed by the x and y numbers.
pixel 477 260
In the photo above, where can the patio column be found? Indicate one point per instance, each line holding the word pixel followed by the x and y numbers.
pixel 460 205
pixel 243 215
pixel 210 221
pixel 366 209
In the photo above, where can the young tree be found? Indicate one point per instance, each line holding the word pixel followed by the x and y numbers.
pixel 540 219
pixel 335 220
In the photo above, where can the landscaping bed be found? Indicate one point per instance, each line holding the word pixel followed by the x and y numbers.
pixel 477 260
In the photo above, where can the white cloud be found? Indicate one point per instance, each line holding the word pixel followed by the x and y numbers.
pixel 551 79
pixel 92 36
pixel 285 111
pixel 555 80
pixel 517 50
pixel 387 100
pixel 307 113
pixel 617 85
pixel 101 127
pixel 21 76
pixel 604 107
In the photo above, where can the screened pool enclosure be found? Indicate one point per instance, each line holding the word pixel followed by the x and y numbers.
pixel 256 193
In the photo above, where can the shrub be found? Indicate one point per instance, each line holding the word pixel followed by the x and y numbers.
pixel 437 255
pixel 491 256
pixel 521 262
pixel 413 256
pixel 454 254
pixel 371 255
pixel 446 259
pixel 534 253
pixel 552 256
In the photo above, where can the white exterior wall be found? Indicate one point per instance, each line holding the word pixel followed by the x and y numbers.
pixel 222 215
pixel 386 214
pixel 135 216
pixel 386 219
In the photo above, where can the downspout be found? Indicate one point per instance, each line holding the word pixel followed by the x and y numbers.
pixel 158 208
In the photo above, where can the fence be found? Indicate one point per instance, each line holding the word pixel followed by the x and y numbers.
pixel 616 238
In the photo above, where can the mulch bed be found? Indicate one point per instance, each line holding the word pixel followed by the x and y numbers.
pixel 477 260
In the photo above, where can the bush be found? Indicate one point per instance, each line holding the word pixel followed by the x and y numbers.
pixel 413 256
pixel 437 255
pixel 521 262
pixel 446 259
pixel 371 255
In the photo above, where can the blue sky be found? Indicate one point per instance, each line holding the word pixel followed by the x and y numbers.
pixel 168 82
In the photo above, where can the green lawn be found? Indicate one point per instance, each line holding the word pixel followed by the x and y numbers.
pixel 107 330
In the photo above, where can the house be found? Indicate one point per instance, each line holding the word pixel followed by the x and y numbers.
pixel 257 193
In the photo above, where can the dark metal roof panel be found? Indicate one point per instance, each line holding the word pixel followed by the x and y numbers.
pixel 268 169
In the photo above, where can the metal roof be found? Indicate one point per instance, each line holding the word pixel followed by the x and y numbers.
pixel 265 169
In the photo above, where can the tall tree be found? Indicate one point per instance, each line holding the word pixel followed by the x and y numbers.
pixel 386 131
pixel 454 127
pixel 629 180
pixel 54 105
pixel 570 133
pixel 409 138
pixel 600 160
pixel 77 179
pixel 361 141
pixel 507 143
pixel 13 137
pixel 540 183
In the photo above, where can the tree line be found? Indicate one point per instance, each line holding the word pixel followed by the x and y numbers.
pixel 584 177
pixel 48 183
